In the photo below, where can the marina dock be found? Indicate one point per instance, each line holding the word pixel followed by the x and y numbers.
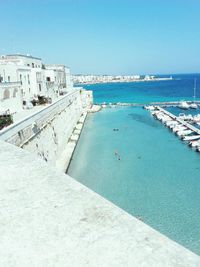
pixel 184 123
pixel 181 128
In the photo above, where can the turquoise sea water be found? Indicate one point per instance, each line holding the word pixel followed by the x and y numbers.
pixel 144 169
pixel 143 92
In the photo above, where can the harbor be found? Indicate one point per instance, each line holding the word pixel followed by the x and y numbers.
pixel 183 129
pixel 153 162
pixel 162 104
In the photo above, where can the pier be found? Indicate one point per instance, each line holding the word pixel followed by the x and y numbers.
pixel 183 129
pixel 184 123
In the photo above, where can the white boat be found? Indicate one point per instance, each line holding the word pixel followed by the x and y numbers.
pixel 155 112
pixel 171 123
pixel 172 126
pixel 182 116
pixel 191 138
pixel 185 117
pixel 194 143
pixel 184 133
pixel 184 105
pixel 151 108
pixel 166 119
pixel 159 116
pixel 196 118
pixel 175 126
pixel 193 105
pixel 178 128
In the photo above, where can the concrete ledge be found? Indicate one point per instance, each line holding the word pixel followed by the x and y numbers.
pixel 48 220
pixel 95 108
pixel 62 163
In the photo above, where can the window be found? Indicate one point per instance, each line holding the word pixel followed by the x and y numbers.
pixel 15 92
pixel 33 65
pixel 48 79
pixel 6 94
pixel 40 89
pixel 8 78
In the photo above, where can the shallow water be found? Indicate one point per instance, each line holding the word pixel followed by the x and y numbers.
pixel 144 169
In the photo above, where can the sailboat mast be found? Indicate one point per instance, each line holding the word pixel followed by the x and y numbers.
pixel 195 81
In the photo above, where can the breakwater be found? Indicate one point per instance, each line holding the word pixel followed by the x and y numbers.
pixel 161 104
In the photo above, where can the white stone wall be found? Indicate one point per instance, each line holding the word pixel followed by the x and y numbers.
pixel 10 97
pixel 47 132
pixel 86 98
pixel 56 74
pixel 50 220
pixel 38 83
pixel 14 73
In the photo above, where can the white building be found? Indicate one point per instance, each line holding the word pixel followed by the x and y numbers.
pixel 69 80
pixel 55 78
pixel 25 69
pixel 32 77
pixel 10 97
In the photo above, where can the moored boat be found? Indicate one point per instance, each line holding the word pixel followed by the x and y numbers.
pixel 184 105
pixel 191 138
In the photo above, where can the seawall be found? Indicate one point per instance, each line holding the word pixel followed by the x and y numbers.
pixel 51 132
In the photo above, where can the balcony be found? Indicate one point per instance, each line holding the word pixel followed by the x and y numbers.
pixel 9 84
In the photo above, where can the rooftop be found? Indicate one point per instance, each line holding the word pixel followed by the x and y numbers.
pixel 20 55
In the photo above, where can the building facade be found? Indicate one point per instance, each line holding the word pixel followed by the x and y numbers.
pixel 33 79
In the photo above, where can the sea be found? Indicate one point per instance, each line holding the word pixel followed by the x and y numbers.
pixel 134 161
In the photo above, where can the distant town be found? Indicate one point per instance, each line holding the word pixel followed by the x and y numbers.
pixel 92 79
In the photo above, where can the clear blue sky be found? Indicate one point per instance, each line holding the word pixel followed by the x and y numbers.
pixel 105 36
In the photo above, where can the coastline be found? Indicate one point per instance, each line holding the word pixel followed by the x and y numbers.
pixel 125 81
pixel 96 166
pixel 64 161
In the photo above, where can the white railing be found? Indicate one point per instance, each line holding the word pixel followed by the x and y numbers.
pixel 23 130
pixel 9 84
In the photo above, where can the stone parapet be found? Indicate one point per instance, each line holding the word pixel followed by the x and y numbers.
pixel 48 219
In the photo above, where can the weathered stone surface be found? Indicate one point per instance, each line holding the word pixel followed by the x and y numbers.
pixel 46 133
pixel 50 220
